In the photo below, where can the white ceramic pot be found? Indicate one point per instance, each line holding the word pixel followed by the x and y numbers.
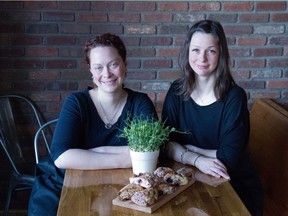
pixel 144 161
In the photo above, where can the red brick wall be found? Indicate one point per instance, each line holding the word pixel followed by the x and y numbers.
pixel 41 45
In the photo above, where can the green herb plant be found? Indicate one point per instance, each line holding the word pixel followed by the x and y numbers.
pixel 146 134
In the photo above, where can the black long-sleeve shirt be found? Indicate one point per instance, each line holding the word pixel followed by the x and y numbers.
pixel 80 126
pixel 223 126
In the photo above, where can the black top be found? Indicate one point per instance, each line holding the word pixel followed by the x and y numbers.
pixel 80 126
pixel 223 126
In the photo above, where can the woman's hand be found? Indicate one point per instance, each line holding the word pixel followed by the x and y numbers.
pixel 208 179
pixel 206 164
pixel 212 166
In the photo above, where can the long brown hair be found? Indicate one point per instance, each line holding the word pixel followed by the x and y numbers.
pixel 224 79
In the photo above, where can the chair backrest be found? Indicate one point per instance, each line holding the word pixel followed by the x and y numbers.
pixel 43 139
pixel 9 138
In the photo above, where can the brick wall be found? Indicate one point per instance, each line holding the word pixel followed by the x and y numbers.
pixel 41 45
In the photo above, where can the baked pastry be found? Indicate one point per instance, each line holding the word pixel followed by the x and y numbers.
pixel 162 171
pixel 175 179
pixel 145 197
pixel 185 171
pixel 127 192
pixel 164 188
pixel 145 188
pixel 146 180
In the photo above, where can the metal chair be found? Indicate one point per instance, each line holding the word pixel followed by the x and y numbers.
pixel 41 146
pixel 12 109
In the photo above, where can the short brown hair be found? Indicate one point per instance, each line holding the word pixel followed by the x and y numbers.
pixel 106 39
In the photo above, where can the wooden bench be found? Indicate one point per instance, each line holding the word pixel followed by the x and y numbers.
pixel 269 150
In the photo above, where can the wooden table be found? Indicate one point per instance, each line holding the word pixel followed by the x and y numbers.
pixel 92 192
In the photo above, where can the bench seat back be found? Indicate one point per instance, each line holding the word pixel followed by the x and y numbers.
pixel 269 151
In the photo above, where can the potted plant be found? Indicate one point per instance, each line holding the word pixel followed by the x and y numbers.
pixel 145 137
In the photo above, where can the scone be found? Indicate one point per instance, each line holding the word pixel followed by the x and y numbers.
pixel 127 192
pixel 145 197
pixel 164 188
pixel 175 179
pixel 146 180
pixel 162 171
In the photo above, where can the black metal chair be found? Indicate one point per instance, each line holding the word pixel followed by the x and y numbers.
pixel 12 109
pixel 42 146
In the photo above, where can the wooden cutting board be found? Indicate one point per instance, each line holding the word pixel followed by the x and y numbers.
pixel 161 201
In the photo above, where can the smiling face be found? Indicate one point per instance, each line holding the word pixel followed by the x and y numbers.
pixel 203 53
pixel 107 68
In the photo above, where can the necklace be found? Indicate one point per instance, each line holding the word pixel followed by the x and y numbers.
pixel 109 125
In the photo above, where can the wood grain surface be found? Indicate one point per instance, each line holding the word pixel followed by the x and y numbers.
pixel 91 193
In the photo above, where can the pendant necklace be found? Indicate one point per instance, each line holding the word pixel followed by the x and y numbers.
pixel 109 125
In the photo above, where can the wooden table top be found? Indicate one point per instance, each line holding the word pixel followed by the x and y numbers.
pixel 92 192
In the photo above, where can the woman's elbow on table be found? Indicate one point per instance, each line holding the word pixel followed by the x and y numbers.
pixel 60 162
pixel 67 158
